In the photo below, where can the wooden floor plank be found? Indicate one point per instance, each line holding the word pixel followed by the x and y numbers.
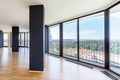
pixel 15 66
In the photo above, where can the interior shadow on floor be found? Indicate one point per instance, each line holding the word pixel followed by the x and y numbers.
pixel 109 75
pixel 57 56
pixel 79 63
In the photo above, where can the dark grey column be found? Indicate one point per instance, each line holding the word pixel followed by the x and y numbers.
pixel 107 38
pixel 61 39
pixel 15 39
pixel 37 37
pixel 1 39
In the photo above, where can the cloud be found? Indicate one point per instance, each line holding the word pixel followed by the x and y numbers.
pixel 72 35
pixel 69 35
pixel 88 32
pixel 116 14
pixel 54 33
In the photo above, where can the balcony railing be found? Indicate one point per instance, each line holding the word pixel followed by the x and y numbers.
pixel 91 51
pixel 54 46
pixel 115 53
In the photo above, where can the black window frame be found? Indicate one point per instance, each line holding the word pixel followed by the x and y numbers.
pixel 106 35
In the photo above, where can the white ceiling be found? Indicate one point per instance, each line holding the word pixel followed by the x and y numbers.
pixel 16 12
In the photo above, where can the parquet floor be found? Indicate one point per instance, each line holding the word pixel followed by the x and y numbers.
pixel 15 66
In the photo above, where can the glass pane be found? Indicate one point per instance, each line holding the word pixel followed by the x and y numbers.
pixel 91 49
pixel 115 39
pixel 54 39
pixel 70 39
pixel 22 39
pixel 19 39
pixel 26 39
pixel 5 36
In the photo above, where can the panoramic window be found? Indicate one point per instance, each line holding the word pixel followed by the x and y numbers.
pixel 22 39
pixel 19 39
pixel 26 39
pixel 54 39
pixel 115 39
pixel 91 42
pixel 70 39
pixel 5 39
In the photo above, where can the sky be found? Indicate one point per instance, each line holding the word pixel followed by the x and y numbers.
pixel 115 25
pixel 90 28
